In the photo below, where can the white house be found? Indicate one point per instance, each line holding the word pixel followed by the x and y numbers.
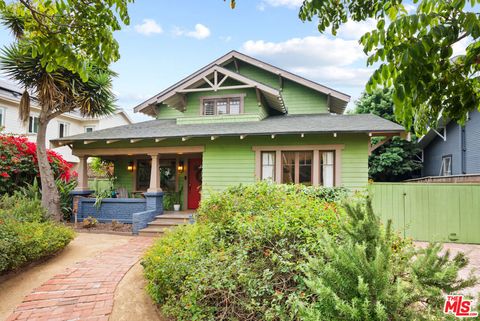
pixel 65 125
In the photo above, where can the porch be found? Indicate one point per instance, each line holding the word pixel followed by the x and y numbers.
pixel 148 182
pixel 174 171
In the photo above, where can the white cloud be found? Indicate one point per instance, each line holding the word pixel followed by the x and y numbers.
pixel 354 30
pixel 307 51
pixel 333 61
pixel 335 75
pixel 148 27
pixel 291 4
pixel 200 32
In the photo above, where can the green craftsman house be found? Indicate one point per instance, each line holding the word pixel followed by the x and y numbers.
pixel 234 121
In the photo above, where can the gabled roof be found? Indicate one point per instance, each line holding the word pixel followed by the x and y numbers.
pixel 283 124
pixel 337 100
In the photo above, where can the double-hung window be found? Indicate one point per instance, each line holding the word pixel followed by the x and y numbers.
pixel 327 168
pixel 33 124
pixel 268 165
pixel 222 106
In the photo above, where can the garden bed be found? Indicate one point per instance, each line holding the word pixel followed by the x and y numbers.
pixel 117 228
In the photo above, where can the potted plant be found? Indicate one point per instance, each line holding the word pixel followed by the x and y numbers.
pixel 178 199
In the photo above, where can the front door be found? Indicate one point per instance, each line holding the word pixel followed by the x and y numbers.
pixel 194 182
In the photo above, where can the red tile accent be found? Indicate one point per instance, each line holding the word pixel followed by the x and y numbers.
pixel 84 291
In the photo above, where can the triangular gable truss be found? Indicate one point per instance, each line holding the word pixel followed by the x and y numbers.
pixel 214 79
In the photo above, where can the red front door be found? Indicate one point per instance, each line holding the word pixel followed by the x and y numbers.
pixel 194 182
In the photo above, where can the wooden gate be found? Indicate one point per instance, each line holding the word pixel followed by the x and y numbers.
pixel 430 211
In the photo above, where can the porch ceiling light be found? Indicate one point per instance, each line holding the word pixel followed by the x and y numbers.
pixel 180 167
pixel 130 167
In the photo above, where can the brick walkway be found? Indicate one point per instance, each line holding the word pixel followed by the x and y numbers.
pixel 86 290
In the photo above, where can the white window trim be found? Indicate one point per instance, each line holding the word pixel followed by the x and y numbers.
pixel 85 128
pixel 317 149
pixel 66 128
pixel 443 163
pixel 4 113
pixel 33 121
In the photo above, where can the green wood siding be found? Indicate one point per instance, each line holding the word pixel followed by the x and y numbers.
pixel 229 160
pixel 303 100
pixel 430 211
pixel 124 177
pixel 192 112
pixel 218 119
pixel 166 112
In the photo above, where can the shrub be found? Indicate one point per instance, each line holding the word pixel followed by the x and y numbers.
pixel 89 222
pixel 19 166
pixel 242 258
pixel 25 234
pixel 371 274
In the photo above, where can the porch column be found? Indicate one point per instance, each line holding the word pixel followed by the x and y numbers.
pixel 154 175
pixel 82 174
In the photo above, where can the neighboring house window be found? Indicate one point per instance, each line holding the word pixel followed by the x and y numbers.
pixel 268 165
pixel 291 165
pixel 33 124
pixel 222 106
pixel 446 169
pixel 2 116
pixel 89 129
pixel 63 129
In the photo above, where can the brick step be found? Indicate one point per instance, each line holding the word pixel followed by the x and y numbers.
pixel 173 216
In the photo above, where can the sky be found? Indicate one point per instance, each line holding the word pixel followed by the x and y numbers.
pixel 169 40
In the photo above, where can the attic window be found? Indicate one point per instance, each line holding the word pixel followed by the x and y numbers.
pixel 224 105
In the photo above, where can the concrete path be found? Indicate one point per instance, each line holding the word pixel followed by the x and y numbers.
pixel 473 253
pixel 85 291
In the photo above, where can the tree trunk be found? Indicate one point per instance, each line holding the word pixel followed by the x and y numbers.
pixel 50 196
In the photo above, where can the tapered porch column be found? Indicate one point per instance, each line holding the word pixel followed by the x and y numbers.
pixel 154 175
pixel 82 174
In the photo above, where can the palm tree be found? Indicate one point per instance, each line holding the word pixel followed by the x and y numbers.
pixel 57 92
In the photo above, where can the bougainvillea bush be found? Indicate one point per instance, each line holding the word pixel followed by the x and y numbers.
pixel 19 166
pixel 242 258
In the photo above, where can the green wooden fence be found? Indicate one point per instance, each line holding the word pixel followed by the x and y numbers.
pixel 99 184
pixel 430 212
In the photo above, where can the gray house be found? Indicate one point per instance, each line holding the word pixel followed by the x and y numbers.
pixel 451 149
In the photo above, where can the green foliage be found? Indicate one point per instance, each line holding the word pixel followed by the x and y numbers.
pixel 101 167
pixel 168 200
pixel 25 234
pixel 371 274
pixel 413 52
pixel 396 160
pixel 66 199
pixel 68 35
pixel 241 260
